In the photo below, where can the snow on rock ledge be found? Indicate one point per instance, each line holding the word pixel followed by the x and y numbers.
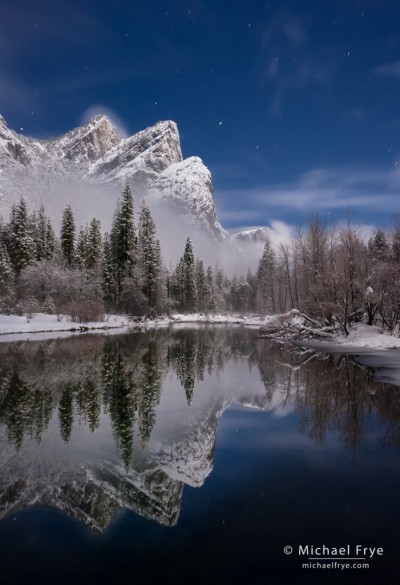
pixel 141 157
pixel 187 185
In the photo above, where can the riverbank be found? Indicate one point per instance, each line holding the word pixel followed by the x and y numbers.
pixel 43 326
pixel 291 325
pixel 298 327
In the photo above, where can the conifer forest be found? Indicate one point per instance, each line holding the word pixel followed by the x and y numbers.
pixel 328 272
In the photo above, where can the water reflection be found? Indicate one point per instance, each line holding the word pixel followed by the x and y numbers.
pixel 94 424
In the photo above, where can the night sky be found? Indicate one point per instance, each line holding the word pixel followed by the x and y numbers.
pixel 293 105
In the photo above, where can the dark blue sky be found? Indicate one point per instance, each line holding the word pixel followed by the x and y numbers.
pixel 293 105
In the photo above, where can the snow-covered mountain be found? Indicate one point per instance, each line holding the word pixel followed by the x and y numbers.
pixel 257 234
pixel 92 162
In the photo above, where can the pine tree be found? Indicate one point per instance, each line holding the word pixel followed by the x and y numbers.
pixel 44 236
pixel 6 272
pixel 239 293
pixel 178 285
pixel 209 296
pixel 48 306
pixel 190 287
pixel 81 251
pixel 94 245
pixel 109 282
pixel 220 289
pixel 265 279
pixel 67 236
pixel 21 245
pixel 149 398
pixel 149 257
pixel 378 247
pixel 123 238
pixel 66 413
pixel 51 242
pixel 201 285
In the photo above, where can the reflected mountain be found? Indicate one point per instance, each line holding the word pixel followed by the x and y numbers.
pixel 96 424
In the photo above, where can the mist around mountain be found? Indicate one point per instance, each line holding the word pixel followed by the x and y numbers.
pixel 327 271
pixel 89 166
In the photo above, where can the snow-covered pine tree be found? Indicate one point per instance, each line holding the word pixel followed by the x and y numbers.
pixel 52 245
pixel 21 245
pixel 209 296
pixel 177 285
pixel 220 289
pixel 82 248
pixel 201 286
pixel 239 293
pixel 109 282
pixel 163 302
pixel 6 272
pixel 67 236
pixel 378 247
pixel 123 238
pixel 190 287
pixel 94 245
pixel 44 236
pixel 149 257
pixel 265 279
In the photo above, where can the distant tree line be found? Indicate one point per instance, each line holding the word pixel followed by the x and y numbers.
pixel 327 271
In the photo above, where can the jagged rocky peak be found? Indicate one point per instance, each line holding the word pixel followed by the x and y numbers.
pixel 163 133
pixel 90 142
pixel 141 157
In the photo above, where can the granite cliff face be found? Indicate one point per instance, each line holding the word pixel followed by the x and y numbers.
pixel 11 148
pixel 97 156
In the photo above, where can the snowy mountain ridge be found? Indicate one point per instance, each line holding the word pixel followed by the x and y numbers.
pixel 96 155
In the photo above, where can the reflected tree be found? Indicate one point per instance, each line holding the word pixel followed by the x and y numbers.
pixel 150 392
pixel 66 413
pixel 119 400
pixel 123 377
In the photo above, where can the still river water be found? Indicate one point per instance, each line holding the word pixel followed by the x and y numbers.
pixel 194 455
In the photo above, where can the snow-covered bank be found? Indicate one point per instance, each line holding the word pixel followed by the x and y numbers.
pixel 249 320
pixel 368 336
pixel 298 327
pixel 41 325
pixel 291 325
pixel 16 327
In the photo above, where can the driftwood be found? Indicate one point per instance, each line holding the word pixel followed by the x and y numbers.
pixel 296 325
